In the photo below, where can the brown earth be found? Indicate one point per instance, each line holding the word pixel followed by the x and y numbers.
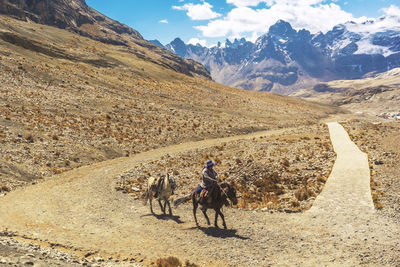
pixel 69 101
pixel 76 16
pixel 80 212
pixel 78 113
pixel 284 172
pixel 370 96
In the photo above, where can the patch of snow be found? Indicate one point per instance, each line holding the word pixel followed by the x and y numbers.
pixel 339 45
pixel 366 47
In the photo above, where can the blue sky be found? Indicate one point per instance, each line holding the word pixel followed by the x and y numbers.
pixel 210 21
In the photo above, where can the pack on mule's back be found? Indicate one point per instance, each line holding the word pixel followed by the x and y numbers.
pixel 161 188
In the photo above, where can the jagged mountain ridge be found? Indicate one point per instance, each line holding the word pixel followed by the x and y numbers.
pixel 68 14
pixel 284 59
pixel 78 17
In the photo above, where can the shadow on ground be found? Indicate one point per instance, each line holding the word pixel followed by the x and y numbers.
pixel 165 217
pixel 220 233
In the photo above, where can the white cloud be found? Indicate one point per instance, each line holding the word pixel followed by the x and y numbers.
pixel 199 11
pixel 163 21
pixel 195 41
pixel 242 20
pixel 244 3
pixel 390 21
pixel 392 11
pixel 240 3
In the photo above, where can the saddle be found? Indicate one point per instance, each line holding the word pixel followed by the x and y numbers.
pixel 206 195
pixel 160 184
pixel 203 195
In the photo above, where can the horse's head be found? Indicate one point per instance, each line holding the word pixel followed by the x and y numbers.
pixel 230 191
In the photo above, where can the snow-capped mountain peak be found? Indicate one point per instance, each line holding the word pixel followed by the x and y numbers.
pixel 284 59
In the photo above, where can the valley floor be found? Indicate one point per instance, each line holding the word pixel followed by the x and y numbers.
pixel 81 213
pixel 77 115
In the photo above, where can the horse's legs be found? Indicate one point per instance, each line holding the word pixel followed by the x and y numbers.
pixel 165 204
pixel 161 207
pixel 151 204
pixel 204 210
pixel 169 207
pixel 195 208
pixel 216 218
pixel 222 216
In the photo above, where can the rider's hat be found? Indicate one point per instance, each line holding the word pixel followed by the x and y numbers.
pixel 209 163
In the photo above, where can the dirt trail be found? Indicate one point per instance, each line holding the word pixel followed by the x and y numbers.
pixel 348 188
pixel 81 210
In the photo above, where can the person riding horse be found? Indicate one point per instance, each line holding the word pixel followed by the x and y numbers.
pixel 210 179
pixel 218 195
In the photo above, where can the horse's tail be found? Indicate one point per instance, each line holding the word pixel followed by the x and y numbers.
pixel 182 200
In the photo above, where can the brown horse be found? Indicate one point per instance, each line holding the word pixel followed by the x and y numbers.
pixel 218 196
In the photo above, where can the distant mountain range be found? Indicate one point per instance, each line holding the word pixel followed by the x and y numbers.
pixel 284 60
pixel 78 17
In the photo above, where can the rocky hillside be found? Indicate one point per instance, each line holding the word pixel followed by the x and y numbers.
pixel 376 95
pixel 78 17
pixel 283 172
pixel 69 101
pixel 284 59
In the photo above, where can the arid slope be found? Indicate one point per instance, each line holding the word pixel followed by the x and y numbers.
pixel 76 16
pixel 69 101
pixel 371 95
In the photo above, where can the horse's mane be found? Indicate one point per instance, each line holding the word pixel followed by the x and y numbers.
pixel 225 185
pixel 218 190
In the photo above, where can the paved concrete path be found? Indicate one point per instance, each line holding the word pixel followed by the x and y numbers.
pixel 347 191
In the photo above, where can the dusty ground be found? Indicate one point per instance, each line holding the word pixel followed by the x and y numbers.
pixel 372 96
pixel 81 212
pixel 68 102
pixel 15 253
pixel 284 172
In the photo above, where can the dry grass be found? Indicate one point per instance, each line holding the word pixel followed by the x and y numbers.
pixel 168 262
pixel 304 193
pixel 273 172
pixel 81 112
pixel 173 262
pixel 379 141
